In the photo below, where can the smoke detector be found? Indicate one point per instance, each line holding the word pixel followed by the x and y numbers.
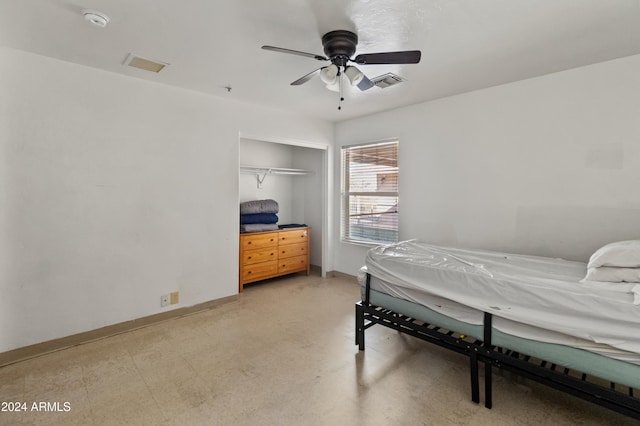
pixel 96 17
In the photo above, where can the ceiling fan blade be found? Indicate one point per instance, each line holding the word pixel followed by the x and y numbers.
pixel 295 52
pixel 307 77
pixel 365 83
pixel 404 57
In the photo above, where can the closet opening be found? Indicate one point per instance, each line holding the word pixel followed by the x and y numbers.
pixel 294 174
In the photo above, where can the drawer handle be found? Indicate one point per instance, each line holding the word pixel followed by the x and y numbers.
pixel 249 272
pixel 271 240
pixel 248 243
pixel 249 257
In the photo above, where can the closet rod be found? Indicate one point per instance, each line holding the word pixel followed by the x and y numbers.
pixel 264 171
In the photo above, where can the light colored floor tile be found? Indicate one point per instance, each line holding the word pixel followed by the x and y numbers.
pixel 282 354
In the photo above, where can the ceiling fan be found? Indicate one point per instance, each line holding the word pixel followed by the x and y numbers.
pixel 339 46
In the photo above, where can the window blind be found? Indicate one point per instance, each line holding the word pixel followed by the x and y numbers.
pixel 370 193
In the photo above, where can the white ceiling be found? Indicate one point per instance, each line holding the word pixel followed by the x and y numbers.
pixel 466 44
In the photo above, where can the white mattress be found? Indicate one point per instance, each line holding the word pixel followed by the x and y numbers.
pixel 532 297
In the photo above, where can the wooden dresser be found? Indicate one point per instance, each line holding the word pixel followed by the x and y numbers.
pixel 273 253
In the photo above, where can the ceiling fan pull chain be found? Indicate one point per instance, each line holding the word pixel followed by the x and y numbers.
pixel 340 90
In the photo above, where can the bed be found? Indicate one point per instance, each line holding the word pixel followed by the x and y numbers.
pixel 570 325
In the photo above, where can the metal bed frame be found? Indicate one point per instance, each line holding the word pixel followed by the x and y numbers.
pixel 618 398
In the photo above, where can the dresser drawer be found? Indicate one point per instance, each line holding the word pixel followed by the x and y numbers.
pixel 292 250
pixel 292 264
pixel 270 254
pixel 294 236
pixel 255 241
pixel 257 256
pixel 259 271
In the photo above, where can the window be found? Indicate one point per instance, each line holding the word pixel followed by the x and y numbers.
pixel 370 193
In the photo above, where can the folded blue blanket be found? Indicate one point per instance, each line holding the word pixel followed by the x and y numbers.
pixel 258 218
pixel 259 206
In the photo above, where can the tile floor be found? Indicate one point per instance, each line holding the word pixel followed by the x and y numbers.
pixel 282 354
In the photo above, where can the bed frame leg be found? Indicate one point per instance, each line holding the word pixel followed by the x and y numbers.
pixel 360 327
pixel 487 384
pixel 475 385
pixel 488 319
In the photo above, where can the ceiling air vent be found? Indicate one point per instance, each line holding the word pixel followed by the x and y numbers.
pixel 143 63
pixel 386 80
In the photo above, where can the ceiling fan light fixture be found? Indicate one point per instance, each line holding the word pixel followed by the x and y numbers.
pixel 335 87
pixel 329 75
pixel 354 74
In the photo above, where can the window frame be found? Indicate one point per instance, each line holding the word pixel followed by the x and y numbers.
pixel 346 194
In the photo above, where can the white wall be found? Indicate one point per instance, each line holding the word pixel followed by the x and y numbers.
pixel 547 166
pixel 113 191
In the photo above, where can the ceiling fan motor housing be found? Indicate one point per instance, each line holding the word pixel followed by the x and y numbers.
pixel 339 46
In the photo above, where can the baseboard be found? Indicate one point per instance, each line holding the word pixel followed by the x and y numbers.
pixel 336 274
pixel 39 349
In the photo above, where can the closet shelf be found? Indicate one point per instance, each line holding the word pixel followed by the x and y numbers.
pixel 264 171
pixel 274 170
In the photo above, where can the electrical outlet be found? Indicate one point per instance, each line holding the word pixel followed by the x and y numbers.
pixel 164 300
pixel 175 297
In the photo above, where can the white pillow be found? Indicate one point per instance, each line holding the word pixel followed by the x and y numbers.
pixel 613 275
pixel 621 254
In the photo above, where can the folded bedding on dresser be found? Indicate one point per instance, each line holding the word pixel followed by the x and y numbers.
pixel 246 219
pixel 259 206
pixel 259 227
